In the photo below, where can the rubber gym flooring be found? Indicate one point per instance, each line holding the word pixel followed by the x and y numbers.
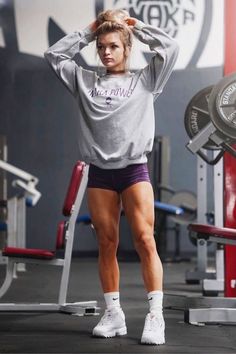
pixel 60 333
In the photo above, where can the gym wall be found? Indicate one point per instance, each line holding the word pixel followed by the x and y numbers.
pixel 39 116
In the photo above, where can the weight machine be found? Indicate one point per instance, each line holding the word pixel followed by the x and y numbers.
pixel 221 132
pixel 32 195
pixel 210 123
pixel 197 116
pixel 64 241
pixel 13 209
pixel 15 219
pixel 220 309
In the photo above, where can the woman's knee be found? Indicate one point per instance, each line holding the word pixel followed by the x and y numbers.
pixel 145 243
pixel 107 241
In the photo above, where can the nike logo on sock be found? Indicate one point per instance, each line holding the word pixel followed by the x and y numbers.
pixel 115 298
pixel 150 299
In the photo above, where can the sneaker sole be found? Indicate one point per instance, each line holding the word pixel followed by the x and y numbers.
pixel 118 332
pixel 150 342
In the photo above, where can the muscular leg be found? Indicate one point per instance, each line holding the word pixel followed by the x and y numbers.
pixel 104 206
pixel 138 204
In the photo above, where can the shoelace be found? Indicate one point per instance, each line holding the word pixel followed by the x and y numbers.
pixel 106 318
pixel 153 323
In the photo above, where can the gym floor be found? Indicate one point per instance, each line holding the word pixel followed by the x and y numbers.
pixel 60 333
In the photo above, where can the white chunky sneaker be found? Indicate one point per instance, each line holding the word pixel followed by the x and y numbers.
pixel 111 324
pixel 154 329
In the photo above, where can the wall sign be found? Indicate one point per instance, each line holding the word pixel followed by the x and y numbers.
pixel 197 25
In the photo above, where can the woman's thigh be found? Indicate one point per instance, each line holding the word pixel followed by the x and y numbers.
pixel 138 204
pixel 104 207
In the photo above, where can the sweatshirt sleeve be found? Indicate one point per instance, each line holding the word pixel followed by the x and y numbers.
pixel 157 72
pixel 60 56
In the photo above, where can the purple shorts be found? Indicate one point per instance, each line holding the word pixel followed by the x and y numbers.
pixel 117 179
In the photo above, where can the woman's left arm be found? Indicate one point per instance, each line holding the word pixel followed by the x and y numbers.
pixel 166 50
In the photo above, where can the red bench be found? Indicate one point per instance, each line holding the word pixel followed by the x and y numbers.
pixel 64 240
pixel 212 233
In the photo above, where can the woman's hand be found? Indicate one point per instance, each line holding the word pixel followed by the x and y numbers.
pixel 130 21
pixel 93 26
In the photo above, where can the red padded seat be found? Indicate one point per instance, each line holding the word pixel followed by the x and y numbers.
pixel 205 231
pixel 39 253
pixel 72 191
pixel 28 253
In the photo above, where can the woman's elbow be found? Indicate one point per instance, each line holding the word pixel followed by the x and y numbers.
pixel 175 46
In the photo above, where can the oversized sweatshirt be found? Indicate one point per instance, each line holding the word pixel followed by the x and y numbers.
pixel 116 112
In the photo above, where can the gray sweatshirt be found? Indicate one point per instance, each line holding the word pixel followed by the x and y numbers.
pixel 116 112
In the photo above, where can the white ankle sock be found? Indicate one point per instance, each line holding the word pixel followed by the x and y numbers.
pixel 112 300
pixel 155 299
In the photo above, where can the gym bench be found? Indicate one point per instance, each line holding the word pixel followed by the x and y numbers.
pixel 64 240
pixel 220 309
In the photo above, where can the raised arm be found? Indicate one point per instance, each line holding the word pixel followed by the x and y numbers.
pixel 60 55
pixel 157 72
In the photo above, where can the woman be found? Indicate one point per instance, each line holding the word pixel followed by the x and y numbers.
pixel 116 132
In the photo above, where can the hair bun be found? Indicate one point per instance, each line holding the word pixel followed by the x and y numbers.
pixel 118 16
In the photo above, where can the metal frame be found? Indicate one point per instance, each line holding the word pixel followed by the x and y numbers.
pixel 217 284
pixel 199 309
pixel 200 272
pixel 3 193
pixel 221 310
pixel 16 227
pixel 199 140
pixel 210 315
pixel 77 308
pixel 212 280
pixel 29 187
pixel 15 217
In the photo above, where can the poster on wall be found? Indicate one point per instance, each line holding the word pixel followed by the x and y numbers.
pixel 30 27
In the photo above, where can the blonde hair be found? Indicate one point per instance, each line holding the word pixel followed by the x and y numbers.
pixel 112 15
pixel 114 21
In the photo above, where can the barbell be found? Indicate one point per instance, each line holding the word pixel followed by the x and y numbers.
pixel 210 119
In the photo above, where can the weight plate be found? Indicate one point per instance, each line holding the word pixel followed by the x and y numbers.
pixel 197 115
pixel 188 202
pixel 222 107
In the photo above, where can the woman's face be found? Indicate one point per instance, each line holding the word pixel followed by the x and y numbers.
pixel 111 51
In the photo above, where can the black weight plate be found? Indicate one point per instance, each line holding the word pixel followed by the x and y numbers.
pixel 222 107
pixel 197 115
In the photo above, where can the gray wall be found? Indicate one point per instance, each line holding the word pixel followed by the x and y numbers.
pixel 39 117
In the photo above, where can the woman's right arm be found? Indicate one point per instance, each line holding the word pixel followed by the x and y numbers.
pixel 60 55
